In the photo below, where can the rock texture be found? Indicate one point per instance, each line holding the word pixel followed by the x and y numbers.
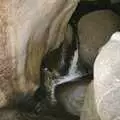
pixel 89 111
pixel 94 31
pixel 102 96
pixel 61 54
pixel 72 94
pixel 28 30
pixel 107 79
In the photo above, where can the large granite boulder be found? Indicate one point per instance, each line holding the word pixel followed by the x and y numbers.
pixel 28 30
pixel 102 96
pixel 71 94
pixel 107 79
pixel 94 30
pixel 89 111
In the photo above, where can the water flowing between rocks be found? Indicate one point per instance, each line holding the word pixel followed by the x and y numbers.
pixel 57 112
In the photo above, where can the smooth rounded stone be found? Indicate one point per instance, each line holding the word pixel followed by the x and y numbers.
pixel 71 95
pixel 107 79
pixel 89 111
pixel 28 30
pixel 94 30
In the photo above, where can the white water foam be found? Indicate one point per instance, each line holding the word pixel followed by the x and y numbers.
pixel 72 75
pixel 73 72
pixel 73 67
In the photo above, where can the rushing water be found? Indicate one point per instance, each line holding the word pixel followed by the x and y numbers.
pixel 51 83
pixel 73 71
pixel 73 67
pixel 73 74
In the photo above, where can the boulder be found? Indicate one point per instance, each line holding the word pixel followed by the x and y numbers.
pixel 71 94
pixel 28 30
pixel 88 111
pixel 94 30
pixel 107 79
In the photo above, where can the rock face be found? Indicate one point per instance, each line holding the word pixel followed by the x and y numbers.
pixel 28 30
pixel 89 111
pixel 61 54
pixel 107 79
pixel 94 30
pixel 71 94
pixel 102 96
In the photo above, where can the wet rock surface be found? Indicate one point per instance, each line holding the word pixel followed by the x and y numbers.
pixel 72 94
